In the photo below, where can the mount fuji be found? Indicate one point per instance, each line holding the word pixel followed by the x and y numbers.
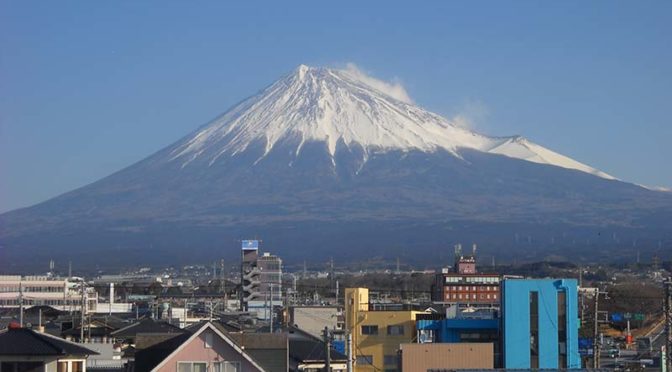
pixel 327 162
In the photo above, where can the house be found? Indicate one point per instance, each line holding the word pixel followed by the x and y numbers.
pixel 205 349
pixel 308 353
pixel 23 349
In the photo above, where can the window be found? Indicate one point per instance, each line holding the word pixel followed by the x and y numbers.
pixel 208 340
pixel 534 329
pixel 369 329
pixel 395 330
pixel 69 366
pixel 192 367
pixel 77 366
pixel 226 367
pixel 364 359
pixel 60 367
pixel 390 360
pixel 562 329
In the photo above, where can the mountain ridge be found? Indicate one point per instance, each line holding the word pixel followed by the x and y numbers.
pixel 313 196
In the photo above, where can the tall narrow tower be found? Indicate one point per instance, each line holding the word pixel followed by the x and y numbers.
pixel 249 273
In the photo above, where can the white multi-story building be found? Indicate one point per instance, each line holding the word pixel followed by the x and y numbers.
pixel 61 294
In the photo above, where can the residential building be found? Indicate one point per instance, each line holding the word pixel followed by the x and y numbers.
pixel 22 349
pixel 249 273
pixel 205 349
pixel 540 324
pixel 270 277
pixel 261 281
pixel 308 353
pixel 376 334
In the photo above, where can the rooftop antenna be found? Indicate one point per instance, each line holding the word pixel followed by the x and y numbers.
pixel 458 249
pixel 473 249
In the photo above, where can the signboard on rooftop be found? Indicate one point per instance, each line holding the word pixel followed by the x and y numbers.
pixel 250 244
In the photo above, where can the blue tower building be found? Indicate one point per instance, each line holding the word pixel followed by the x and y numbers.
pixel 540 323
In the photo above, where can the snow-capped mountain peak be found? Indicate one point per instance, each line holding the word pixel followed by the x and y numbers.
pixel 346 106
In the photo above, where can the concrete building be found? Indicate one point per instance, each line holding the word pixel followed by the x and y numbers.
pixel 425 357
pixel 270 277
pixel 465 285
pixel 249 273
pixel 376 335
pixel 471 327
pixel 540 324
pixel 61 294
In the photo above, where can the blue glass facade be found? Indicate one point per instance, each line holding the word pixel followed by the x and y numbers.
pixel 540 323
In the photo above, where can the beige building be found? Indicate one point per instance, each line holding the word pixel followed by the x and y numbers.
pixel 376 335
pixel 423 357
pixel 60 294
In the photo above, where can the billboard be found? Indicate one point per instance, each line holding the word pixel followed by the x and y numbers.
pixel 250 244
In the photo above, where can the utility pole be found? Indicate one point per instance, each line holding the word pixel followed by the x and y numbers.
pixel 668 323
pixel 222 282
pixel 21 304
pixel 596 340
pixel 82 308
pixel 348 349
pixel 327 349
pixel 271 327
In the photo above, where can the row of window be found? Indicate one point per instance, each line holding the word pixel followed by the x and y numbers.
pixel 30 301
pixel 393 330
pixel 34 289
pixel 473 288
pixel 459 296
pixel 203 367
pixel 472 279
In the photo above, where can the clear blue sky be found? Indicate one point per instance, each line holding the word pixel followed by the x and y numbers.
pixel 89 87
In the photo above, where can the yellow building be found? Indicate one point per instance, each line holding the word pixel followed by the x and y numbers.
pixel 376 335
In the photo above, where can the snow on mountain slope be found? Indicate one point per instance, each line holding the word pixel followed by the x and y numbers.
pixel 332 106
pixel 521 148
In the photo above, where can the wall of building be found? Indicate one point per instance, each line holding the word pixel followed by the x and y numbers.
pixel 452 330
pixel 382 344
pixel 516 322
pixel 313 319
pixel 422 357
